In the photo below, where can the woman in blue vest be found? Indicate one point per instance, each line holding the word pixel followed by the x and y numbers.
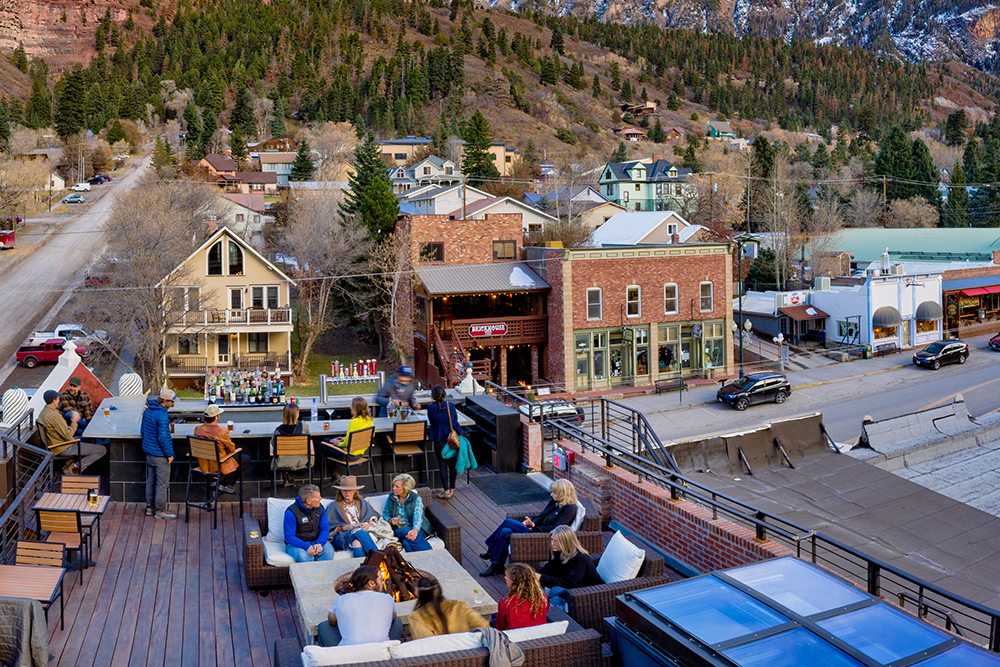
pixel 404 510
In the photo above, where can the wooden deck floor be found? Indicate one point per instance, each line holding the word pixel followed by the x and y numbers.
pixel 169 594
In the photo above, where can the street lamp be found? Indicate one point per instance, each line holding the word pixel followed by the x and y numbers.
pixel 778 340
pixel 740 241
pixel 747 326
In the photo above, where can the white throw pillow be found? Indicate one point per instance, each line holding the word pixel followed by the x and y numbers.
pixel 275 554
pixel 581 514
pixel 620 561
pixel 537 631
pixel 377 502
pixel 276 518
pixel 321 656
pixel 461 641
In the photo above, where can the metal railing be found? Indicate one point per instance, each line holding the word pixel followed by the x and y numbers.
pixel 31 474
pixel 971 620
pixel 229 317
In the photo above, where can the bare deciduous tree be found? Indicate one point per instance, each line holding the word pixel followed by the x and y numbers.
pixel 913 212
pixel 325 247
pixel 392 297
pixel 21 183
pixel 864 209
pixel 335 144
pixel 263 114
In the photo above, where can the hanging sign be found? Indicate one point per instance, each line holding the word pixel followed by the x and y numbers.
pixel 487 330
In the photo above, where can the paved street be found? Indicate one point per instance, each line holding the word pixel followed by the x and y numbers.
pixel 845 393
pixel 35 283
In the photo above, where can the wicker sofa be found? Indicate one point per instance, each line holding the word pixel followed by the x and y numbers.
pixel 261 575
pixel 589 606
pixel 579 647
pixel 534 547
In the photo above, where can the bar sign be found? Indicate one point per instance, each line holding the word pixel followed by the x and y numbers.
pixel 487 330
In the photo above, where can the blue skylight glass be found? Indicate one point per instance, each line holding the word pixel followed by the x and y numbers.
pixel 962 655
pixel 883 633
pixel 711 610
pixel 793 648
pixel 797 585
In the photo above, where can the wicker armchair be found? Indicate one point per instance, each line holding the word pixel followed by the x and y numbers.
pixel 579 647
pixel 260 575
pixel 589 606
pixel 534 547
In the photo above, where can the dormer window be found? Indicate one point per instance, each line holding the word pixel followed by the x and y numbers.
pixel 215 260
pixel 235 260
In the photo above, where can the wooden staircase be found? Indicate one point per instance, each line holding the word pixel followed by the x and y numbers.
pixel 451 358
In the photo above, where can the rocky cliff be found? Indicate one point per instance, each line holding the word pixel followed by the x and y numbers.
pixel 61 31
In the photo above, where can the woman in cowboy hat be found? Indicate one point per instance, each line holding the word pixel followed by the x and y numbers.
pixel 349 515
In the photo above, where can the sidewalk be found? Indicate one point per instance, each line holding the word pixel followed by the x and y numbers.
pixel 801 379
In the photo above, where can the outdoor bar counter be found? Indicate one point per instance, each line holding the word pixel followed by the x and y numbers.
pixel 253 427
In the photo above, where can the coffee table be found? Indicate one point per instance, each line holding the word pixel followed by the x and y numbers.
pixel 313 584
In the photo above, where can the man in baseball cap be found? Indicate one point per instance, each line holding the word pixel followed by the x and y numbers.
pixel 212 429
pixel 77 400
pixel 61 436
pixel 398 389
pixel 158 444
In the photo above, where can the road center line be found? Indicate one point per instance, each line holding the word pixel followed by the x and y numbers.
pixel 948 398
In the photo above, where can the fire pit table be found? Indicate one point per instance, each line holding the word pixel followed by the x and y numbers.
pixel 313 584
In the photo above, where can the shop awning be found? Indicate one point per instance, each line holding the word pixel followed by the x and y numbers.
pixel 480 279
pixel 802 313
pixel 886 316
pixel 929 311
pixel 980 291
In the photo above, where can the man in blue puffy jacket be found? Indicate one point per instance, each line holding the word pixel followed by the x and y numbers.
pixel 159 448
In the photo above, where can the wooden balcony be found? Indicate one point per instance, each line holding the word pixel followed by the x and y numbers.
pixel 198 366
pixel 228 318
pixel 519 330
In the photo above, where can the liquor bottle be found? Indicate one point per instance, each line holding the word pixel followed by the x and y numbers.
pixel 314 412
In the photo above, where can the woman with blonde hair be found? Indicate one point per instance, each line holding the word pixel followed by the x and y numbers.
pixel 350 517
pixel 290 425
pixel 561 511
pixel 404 510
pixel 526 604
pixel 434 615
pixel 570 567
pixel 360 419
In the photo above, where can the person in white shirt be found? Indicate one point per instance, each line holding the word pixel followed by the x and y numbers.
pixel 363 615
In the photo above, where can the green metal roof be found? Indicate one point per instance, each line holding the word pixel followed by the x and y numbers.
pixel 931 245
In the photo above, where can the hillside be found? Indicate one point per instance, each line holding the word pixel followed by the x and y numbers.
pixel 398 68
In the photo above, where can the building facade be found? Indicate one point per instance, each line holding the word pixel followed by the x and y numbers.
pixel 648 185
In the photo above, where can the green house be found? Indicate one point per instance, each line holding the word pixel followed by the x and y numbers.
pixel 648 185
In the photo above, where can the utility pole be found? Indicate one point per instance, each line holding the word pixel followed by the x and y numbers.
pixel 883 200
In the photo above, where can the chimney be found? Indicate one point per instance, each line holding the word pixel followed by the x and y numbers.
pixel 675 238
pixel 657 156
pixel 996 256
pixel 213 226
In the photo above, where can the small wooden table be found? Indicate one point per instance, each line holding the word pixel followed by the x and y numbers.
pixel 33 583
pixel 71 501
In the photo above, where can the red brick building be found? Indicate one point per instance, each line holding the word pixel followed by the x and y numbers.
pixel 589 318
pixel 635 314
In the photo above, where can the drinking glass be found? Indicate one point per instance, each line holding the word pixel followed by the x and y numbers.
pixel 229 426
pixel 478 597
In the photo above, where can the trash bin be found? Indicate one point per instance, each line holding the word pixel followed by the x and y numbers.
pixel 866 351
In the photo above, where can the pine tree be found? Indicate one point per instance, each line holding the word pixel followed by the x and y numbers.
pixel 238 148
pixel 926 173
pixel 627 91
pixel 116 133
pixel 192 122
pixel 19 58
pixel 596 88
pixel 477 162
pixel 895 161
pixel 673 102
pixel 4 128
pixel 691 160
pixel 556 43
pixel 278 122
pixel 530 158
pixel 302 168
pixel 71 106
pixel 620 154
pixel 209 124
pixel 955 127
pixel 657 135
pixel 242 114
pixel 370 195
pixel 957 212
pixel 616 83
pixel 163 156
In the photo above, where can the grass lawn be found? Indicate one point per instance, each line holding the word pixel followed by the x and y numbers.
pixel 320 363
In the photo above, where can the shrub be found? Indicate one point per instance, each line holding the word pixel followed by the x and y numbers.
pixel 592 125
pixel 566 135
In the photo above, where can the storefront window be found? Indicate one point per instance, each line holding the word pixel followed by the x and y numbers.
pixel 885 332
pixel 599 372
pixel 582 341
pixel 642 361
pixel 927 327
pixel 600 340
pixel 666 357
pixel 582 365
pixel 714 353
pixel 616 362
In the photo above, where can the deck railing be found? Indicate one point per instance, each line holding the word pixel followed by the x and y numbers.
pixel 231 317
pixel 971 620
pixel 29 475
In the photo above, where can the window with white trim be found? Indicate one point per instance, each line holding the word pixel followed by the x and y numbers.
pixel 707 302
pixel 633 306
pixel 670 298
pixel 594 304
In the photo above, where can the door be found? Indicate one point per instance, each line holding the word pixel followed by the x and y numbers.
pixel 758 392
pixel 222 350
pixel 686 354
pixel 904 334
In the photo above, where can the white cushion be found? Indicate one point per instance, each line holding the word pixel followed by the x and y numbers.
pixel 461 641
pixel 275 554
pixel 320 656
pixel 377 502
pixel 620 561
pixel 436 542
pixel 581 514
pixel 537 631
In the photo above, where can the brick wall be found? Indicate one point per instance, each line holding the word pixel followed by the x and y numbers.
pixel 531 433
pixel 682 529
pixel 978 272
pixel 465 241
pixel 553 366
pixel 613 276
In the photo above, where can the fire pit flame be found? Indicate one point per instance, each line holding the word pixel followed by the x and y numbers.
pixel 400 577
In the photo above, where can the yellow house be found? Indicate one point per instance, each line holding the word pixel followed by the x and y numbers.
pixel 227 307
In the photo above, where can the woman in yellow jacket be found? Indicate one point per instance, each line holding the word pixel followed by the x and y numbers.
pixel 436 616
pixel 337 447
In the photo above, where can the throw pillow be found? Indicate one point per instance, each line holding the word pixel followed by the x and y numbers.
pixel 461 641
pixel 620 561
pixel 581 514
pixel 321 656
pixel 537 631
pixel 377 502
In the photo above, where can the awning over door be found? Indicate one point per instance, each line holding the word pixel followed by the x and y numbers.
pixel 929 311
pixel 886 316
pixel 980 291
pixel 803 313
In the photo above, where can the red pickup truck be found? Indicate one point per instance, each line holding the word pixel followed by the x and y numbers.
pixel 6 239
pixel 48 352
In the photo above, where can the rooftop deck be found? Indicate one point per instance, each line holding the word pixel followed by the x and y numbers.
pixel 172 593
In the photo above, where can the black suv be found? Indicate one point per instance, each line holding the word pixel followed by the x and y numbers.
pixel 942 352
pixel 755 388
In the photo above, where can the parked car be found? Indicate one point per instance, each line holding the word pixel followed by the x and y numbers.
pixel 553 409
pixel 755 388
pixel 942 352
pixel 47 352
pixel 995 342
pixel 7 239
pixel 74 199
pixel 81 187
pixel 11 220
pixel 96 180
pixel 79 332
